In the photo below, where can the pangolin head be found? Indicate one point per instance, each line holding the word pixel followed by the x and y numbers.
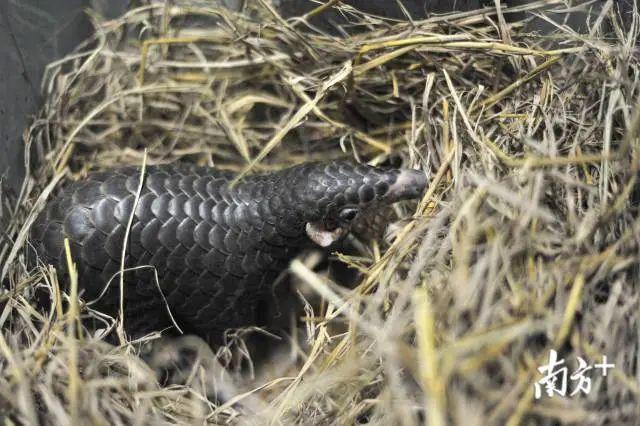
pixel 327 197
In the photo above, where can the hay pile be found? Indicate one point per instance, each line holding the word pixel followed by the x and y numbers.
pixel 526 240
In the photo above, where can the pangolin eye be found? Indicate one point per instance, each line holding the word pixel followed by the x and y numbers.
pixel 348 214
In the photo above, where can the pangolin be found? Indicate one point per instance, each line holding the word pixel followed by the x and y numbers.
pixel 215 247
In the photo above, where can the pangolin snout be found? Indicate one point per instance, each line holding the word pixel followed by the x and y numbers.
pixel 327 187
pixel 409 184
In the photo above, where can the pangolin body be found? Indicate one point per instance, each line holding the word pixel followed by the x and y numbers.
pixel 215 248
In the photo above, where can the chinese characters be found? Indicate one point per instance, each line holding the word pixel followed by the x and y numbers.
pixel 556 374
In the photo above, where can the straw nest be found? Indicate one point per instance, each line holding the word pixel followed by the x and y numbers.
pixel 525 241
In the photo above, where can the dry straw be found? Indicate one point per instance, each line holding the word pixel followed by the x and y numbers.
pixel 525 241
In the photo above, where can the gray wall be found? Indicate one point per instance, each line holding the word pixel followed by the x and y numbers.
pixel 32 34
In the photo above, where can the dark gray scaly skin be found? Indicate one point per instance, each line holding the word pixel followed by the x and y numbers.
pixel 217 249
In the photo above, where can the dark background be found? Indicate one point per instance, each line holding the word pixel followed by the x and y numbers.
pixel 35 32
pixel 32 34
